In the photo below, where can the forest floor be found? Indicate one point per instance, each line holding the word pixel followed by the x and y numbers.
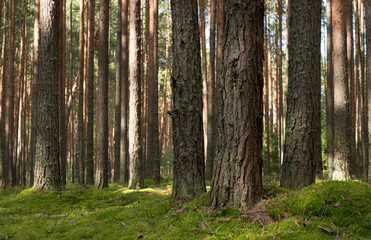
pixel 326 210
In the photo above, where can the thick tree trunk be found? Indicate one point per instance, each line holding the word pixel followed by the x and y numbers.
pixel 101 175
pixel 124 144
pixel 90 96
pixel 153 169
pixel 189 170
pixel 136 180
pixel 144 97
pixel 47 170
pixel 237 179
pixel 341 99
pixel 302 150
pixel 367 167
pixel 210 152
pixel 117 130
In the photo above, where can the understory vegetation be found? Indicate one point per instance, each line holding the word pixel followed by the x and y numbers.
pixel 326 210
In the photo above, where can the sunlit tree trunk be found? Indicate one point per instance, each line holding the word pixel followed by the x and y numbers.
pixel 267 167
pixel 136 180
pixel 367 167
pixel 341 93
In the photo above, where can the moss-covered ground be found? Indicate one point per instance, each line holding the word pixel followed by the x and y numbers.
pixel 326 210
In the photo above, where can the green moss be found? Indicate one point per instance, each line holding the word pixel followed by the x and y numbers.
pixel 119 213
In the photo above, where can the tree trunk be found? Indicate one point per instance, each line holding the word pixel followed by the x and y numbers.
pixel 9 125
pixel 147 168
pixel 34 90
pixel 341 100
pixel 124 145
pixel 303 128
pixel 117 130
pixel 189 170
pixel 237 179
pixel 90 96
pixel 211 92
pixel 101 176
pixel 136 180
pixel 2 101
pixel 47 171
pixel 153 169
pixel 267 167
pixel 367 167
pixel 81 152
pixel 201 6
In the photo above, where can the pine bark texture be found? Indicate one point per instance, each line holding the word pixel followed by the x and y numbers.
pixel 2 102
pixel 340 169
pixel 237 179
pixel 47 165
pixel 90 96
pixel 136 180
pixel 189 171
pixel 124 144
pixel 101 174
pixel 153 132
pixel 302 149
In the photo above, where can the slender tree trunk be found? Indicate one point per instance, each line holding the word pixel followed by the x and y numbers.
pixel 9 125
pixel 124 145
pixel 81 152
pixel 189 170
pixel 47 173
pixel 101 176
pixel 211 92
pixel 237 180
pixel 117 130
pixel 303 128
pixel 144 96
pixel 153 167
pixel 201 6
pixel 72 148
pixel 2 101
pixel 21 86
pixel 267 168
pixel 62 88
pixel 34 105
pixel 341 100
pixel 164 125
pixel 90 97
pixel 367 167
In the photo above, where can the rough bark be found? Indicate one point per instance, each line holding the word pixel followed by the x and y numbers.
pixel 302 149
pixel 367 168
pixel 101 174
pixel 267 167
pixel 117 130
pixel 136 180
pixel 237 179
pixel 153 169
pixel 124 145
pixel 90 96
pixel 210 152
pixel 341 97
pixel 47 164
pixel 189 170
